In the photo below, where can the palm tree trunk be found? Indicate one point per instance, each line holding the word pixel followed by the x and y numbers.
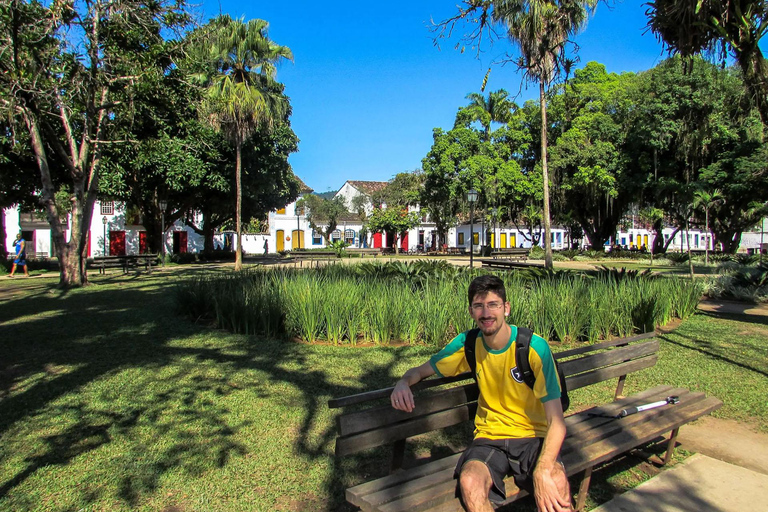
pixel 239 208
pixel 545 177
pixel 688 238
pixel 706 236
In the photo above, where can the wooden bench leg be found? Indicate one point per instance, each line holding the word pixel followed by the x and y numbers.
pixel 581 499
pixel 671 446
pixel 398 455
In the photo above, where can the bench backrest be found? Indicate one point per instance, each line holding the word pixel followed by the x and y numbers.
pixel 375 422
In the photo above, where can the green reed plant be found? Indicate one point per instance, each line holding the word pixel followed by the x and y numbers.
pixel 383 303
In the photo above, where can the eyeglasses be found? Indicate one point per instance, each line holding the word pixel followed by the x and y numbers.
pixel 492 306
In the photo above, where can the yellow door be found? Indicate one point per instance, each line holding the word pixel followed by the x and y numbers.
pixel 645 240
pixel 503 240
pixel 493 240
pixel 297 239
pixel 280 242
pixel 513 240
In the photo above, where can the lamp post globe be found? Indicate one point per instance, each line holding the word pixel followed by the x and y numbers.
pixel 471 198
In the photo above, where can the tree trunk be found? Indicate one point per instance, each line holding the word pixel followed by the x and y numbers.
pixel 72 270
pixel 238 209
pixel 3 236
pixel 688 239
pixel 545 178
pixel 706 236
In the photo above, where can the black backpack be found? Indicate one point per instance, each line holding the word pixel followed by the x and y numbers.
pixel 522 346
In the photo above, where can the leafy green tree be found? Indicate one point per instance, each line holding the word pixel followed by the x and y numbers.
pixel 323 214
pixel 589 159
pixel 393 219
pixel 693 129
pixel 241 92
pixel 717 27
pixel 402 190
pixel 67 77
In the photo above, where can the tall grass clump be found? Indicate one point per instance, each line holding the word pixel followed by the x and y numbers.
pixel 423 302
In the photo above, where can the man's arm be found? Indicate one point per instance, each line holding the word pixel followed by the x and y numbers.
pixel 551 495
pixel 402 397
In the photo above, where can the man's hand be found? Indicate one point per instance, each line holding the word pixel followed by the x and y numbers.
pixel 402 397
pixel 548 494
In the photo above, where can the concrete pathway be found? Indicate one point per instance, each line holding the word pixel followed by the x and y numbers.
pixel 699 484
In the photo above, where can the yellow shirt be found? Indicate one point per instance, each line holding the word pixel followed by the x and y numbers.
pixel 507 407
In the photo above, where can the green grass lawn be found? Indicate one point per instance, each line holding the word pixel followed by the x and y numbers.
pixel 110 401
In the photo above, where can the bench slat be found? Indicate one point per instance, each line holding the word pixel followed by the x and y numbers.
pixel 611 357
pixel 346 401
pixel 361 421
pixel 404 430
pixel 585 379
pixel 603 345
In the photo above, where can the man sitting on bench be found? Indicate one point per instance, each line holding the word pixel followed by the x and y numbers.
pixel 518 430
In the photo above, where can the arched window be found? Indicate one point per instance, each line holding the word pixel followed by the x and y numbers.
pixel 349 236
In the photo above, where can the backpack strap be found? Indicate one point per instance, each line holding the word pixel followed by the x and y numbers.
pixel 522 346
pixel 469 350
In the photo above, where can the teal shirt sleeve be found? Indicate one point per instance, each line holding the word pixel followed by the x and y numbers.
pixel 546 369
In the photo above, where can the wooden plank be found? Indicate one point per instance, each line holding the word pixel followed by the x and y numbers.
pixel 428 403
pixel 611 372
pixel 403 430
pixel 604 345
pixel 354 494
pixel 610 357
pixel 367 396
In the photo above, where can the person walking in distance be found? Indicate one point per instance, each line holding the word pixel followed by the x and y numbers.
pixel 519 430
pixel 20 245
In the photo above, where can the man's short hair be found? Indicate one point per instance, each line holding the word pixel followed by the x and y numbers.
pixel 484 284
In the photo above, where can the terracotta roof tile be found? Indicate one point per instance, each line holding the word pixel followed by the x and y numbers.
pixel 368 187
pixel 303 188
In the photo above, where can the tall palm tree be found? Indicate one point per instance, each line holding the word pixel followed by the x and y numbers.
pixel 495 108
pixel 541 29
pixel 706 200
pixel 242 94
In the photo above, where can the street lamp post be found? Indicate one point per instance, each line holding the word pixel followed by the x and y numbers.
pixel 472 198
pixel 104 222
pixel 163 206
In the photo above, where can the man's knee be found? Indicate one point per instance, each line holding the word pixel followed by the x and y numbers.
pixel 475 481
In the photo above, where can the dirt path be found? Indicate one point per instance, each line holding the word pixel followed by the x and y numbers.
pixel 727 440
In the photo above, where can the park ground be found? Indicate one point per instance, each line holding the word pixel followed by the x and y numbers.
pixel 111 401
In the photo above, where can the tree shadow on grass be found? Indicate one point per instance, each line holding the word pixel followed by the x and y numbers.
pixel 710 349
pixel 58 343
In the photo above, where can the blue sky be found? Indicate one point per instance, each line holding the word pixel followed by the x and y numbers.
pixel 368 85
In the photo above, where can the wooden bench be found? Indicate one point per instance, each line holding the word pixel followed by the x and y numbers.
pixel 362 251
pixel 505 264
pixel 125 261
pixel 511 253
pixel 591 439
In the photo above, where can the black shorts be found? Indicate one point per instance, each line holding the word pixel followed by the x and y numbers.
pixel 504 457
